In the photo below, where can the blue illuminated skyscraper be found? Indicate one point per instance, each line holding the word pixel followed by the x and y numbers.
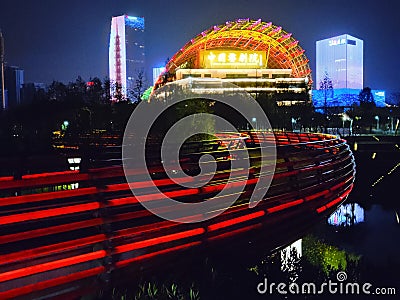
pixel 126 52
pixel 340 61
pixel 341 58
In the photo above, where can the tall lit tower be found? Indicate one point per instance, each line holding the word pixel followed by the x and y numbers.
pixel 3 95
pixel 126 53
pixel 341 58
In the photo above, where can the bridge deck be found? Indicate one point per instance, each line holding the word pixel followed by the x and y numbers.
pixel 51 235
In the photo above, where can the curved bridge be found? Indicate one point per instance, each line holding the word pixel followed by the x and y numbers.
pixel 61 241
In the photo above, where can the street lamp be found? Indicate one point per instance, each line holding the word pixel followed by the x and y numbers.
pixel 293 123
pixel 254 120
pixel 345 117
pixel 377 122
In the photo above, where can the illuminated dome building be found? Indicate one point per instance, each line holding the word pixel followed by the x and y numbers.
pixel 257 56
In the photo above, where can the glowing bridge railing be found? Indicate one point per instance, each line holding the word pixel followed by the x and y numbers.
pixel 58 238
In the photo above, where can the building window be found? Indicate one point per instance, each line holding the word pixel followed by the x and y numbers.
pixel 351 42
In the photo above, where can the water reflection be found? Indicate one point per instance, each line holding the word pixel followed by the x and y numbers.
pixel 305 258
pixel 347 215
pixel 360 238
pixel 290 256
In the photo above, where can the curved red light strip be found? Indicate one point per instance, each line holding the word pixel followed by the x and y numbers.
pixel 51 265
pixel 170 236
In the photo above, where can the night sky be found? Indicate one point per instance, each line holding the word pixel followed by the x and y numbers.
pixel 59 40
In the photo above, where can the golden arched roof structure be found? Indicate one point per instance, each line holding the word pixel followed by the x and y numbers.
pixel 283 51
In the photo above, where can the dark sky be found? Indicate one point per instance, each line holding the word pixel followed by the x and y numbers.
pixel 59 40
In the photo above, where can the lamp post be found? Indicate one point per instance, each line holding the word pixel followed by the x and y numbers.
pixel 254 120
pixel 377 122
pixel 293 124
pixel 345 117
pixel 351 126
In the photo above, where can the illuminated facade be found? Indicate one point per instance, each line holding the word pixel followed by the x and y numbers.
pixel 235 74
pixel 341 59
pixel 345 98
pixel 258 56
pixel 126 53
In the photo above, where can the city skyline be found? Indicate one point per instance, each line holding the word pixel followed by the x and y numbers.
pixel 57 41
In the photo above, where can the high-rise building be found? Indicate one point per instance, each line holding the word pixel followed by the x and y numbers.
pixel 126 53
pixel 14 80
pixel 340 58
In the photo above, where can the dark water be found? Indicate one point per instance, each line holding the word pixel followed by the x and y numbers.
pixel 361 239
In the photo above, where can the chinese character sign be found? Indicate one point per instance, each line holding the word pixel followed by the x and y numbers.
pixel 338 41
pixel 212 59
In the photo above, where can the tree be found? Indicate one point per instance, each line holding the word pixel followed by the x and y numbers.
pixel 76 91
pixel 118 95
pixel 366 96
pixel 107 90
pixel 95 91
pixel 327 86
pixel 146 94
pixel 57 91
pixel 139 87
pixel 367 107
pixel 364 114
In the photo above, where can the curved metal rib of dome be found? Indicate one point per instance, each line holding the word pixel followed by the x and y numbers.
pixel 283 51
